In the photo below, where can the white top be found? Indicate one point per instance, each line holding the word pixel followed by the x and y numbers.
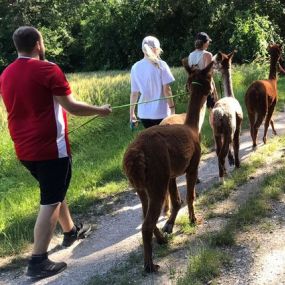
pixel 196 58
pixel 148 79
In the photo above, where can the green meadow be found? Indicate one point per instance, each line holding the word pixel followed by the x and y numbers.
pixel 97 149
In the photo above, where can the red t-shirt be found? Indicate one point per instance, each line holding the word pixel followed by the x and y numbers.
pixel 37 123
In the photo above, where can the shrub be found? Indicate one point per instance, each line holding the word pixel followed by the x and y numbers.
pixel 251 36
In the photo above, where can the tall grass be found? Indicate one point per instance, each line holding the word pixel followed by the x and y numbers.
pixel 97 150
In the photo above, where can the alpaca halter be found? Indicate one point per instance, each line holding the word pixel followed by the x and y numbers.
pixel 196 83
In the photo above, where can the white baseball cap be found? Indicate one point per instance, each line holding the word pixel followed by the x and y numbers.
pixel 151 41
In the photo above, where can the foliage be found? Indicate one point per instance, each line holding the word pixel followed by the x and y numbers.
pixel 52 17
pixel 251 36
pixel 107 34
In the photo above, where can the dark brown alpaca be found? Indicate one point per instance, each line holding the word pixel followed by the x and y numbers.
pixel 261 97
pixel 226 117
pixel 161 153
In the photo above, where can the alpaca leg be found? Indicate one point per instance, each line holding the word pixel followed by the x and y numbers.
pixel 230 157
pixel 267 121
pixel 219 145
pixel 257 124
pixel 176 205
pixel 148 227
pixel 273 128
pixel 147 235
pixel 251 117
pixel 144 200
pixel 222 156
pixel 166 205
pixel 160 238
pixel 218 140
pixel 236 142
pixel 191 176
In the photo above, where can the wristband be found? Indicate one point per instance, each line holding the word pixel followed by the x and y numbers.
pixel 172 107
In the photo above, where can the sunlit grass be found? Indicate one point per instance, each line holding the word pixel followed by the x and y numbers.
pixel 204 265
pixel 185 227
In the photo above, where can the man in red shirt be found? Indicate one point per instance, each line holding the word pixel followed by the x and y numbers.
pixel 36 94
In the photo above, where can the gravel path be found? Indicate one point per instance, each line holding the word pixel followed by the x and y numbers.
pixel 259 254
pixel 118 234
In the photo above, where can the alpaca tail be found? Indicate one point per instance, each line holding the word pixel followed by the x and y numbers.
pixel 256 99
pixel 134 167
pixel 219 121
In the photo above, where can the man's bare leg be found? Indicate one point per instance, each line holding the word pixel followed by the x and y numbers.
pixel 44 228
pixel 65 219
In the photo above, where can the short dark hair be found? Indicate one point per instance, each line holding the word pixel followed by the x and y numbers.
pixel 199 44
pixel 25 38
pixel 203 37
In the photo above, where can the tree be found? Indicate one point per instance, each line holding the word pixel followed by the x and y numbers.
pixel 251 35
pixel 107 34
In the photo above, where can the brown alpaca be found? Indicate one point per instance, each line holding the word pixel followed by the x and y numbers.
pixel 180 118
pixel 226 117
pixel 172 120
pixel 161 153
pixel 261 97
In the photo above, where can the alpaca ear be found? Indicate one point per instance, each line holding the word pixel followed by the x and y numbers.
pixel 231 54
pixel 219 56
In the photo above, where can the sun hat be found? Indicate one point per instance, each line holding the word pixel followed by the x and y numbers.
pixel 203 37
pixel 151 41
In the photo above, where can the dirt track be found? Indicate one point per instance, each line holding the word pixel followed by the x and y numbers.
pixel 118 234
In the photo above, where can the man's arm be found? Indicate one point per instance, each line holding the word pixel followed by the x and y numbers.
pixel 78 108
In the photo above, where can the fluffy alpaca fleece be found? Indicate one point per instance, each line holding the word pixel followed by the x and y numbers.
pixel 226 118
pixel 223 116
pixel 161 153
pixel 174 119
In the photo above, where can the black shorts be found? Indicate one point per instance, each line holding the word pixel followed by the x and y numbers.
pixel 147 123
pixel 53 177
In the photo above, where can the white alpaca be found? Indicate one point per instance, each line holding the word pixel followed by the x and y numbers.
pixel 226 118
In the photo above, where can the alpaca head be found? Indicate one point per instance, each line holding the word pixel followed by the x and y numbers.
pixel 199 80
pixel 223 61
pixel 275 51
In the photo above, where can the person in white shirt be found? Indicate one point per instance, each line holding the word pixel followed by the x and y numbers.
pixel 200 58
pixel 150 81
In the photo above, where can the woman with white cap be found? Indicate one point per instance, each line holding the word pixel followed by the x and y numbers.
pixel 150 79
pixel 200 58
